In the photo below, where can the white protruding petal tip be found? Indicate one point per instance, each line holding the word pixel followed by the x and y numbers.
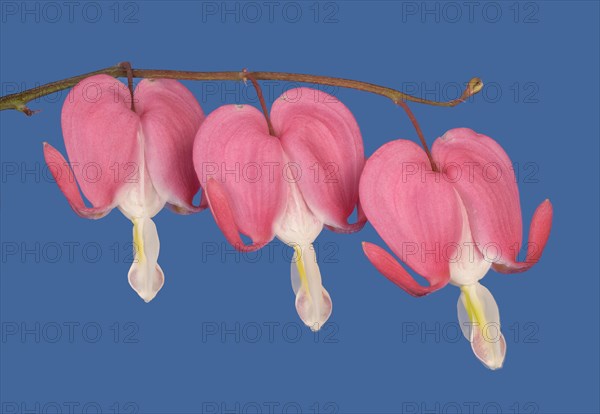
pixel 314 313
pixel 137 278
pixel 491 354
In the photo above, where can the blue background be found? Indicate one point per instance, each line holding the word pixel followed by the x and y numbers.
pixel 364 360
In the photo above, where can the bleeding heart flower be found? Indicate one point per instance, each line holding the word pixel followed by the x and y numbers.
pixel 137 160
pixel 289 185
pixel 452 225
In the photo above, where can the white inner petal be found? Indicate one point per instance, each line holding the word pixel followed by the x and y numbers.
pixel 480 323
pixel 298 228
pixel 313 302
pixel 468 266
pixel 145 275
pixel 139 202
pixel 140 199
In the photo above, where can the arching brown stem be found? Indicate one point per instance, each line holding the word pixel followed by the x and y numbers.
pixel 19 100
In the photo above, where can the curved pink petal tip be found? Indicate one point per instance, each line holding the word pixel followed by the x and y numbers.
pixel 347 228
pixel 539 231
pixel 65 178
pixel 390 268
pixel 220 206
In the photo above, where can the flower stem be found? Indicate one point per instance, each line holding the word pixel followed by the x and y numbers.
pixel 261 99
pixel 127 67
pixel 417 127
pixel 19 100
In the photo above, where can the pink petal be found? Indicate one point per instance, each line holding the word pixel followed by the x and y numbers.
pixel 234 148
pixel 482 174
pixel 361 220
pixel 414 211
pixel 100 133
pixel 63 175
pixel 539 231
pixel 390 268
pixel 320 135
pixel 220 205
pixel 170 118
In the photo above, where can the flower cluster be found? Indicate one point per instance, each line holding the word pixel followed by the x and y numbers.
pixel 161 131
